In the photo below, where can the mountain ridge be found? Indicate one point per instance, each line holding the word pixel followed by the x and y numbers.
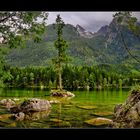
pixel 85 48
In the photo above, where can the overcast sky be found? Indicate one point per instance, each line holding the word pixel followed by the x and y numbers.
pixel 91 21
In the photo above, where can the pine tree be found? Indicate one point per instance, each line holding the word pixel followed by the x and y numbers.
pixel 61 45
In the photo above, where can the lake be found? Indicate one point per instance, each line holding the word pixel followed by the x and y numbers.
pixel 70 113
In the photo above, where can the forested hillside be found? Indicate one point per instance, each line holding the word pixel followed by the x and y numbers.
pixel 103 47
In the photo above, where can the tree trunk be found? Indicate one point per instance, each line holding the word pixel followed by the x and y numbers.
pixel 60 79
pixel 60 76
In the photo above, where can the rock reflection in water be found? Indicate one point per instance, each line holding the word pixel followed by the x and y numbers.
pixel 37 115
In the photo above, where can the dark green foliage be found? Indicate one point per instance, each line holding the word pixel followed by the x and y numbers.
pixel 60 45
pixel 135 89
pixel 16 27
pixel 73 77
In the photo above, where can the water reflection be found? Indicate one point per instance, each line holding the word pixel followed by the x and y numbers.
pixel 37 115
pixel 66 113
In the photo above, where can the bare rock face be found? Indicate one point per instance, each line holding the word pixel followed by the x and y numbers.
pixel 127 115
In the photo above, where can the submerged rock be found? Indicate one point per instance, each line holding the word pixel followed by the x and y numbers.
pixel 127 115
pixel 31 115
pixel 54 101
pixel 60 123
pixel 102 113
pixel 87 107
pixel 5 116
pixel 61 93
pixel 99 122
pixel 55 120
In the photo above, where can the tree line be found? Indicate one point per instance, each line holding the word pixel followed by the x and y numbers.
pixel 73 77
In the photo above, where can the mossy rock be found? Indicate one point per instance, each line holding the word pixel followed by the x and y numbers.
pixel 87 107
pixel 67 119
pixel 13 124
pixel 64 124
pixel 60 123
pixel 55 120
pixel 99 122
pixel 102 114
pixel 61 93
pixel 53 115
pixel 3 111
pixel 67 106
pixel 6 118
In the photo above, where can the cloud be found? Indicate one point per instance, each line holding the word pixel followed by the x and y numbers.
pixel 89 20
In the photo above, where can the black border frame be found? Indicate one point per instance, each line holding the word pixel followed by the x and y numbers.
pixel 69 5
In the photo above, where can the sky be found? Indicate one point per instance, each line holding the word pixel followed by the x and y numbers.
pixel 91 21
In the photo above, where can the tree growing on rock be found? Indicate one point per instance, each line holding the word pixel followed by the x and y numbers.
pixel 61 45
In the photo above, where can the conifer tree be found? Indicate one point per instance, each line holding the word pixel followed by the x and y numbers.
pixel 61 45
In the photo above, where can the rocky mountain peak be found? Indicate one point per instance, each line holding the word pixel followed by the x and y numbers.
pixel 83 32
pixel 80 28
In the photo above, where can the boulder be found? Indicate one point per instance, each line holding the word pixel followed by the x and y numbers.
pixel 19 116
pixel 127 115
pixel 31 109
pixel 32 105
pixel 8 103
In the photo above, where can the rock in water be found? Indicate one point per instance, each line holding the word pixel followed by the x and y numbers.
pixel 35 105
pixel 61 93
pixel 127 115
pixel 101 114
pixel 54 101
pixel 19 116
pixel 8 103
pixel 99 121
pixel 30 106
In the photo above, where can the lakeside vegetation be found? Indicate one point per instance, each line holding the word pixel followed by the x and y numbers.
pixel 73 77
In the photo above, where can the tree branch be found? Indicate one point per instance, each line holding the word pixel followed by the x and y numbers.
pixel 6 18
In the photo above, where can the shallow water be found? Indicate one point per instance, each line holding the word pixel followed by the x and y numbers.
pixel 70 113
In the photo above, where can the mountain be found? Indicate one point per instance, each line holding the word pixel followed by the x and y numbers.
pixel 84 33
pixel 85 48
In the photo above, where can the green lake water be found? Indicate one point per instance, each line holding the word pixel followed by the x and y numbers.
pixel 70 113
